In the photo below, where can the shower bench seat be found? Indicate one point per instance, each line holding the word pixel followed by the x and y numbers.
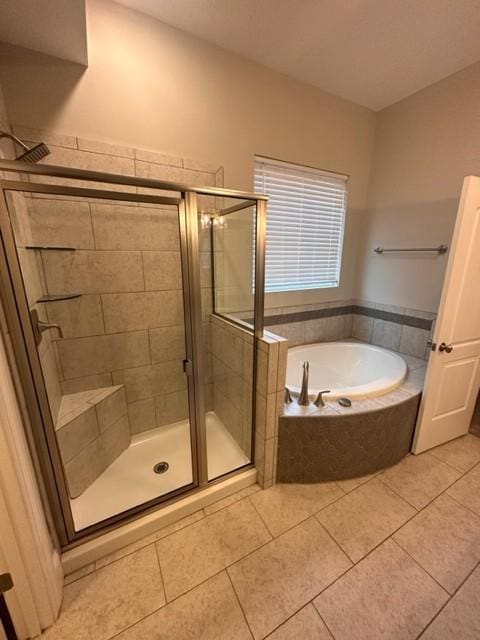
pixel 92 431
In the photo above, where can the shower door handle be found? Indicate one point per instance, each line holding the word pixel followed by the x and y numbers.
pixel 187 367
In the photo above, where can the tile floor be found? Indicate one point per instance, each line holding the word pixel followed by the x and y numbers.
pixel 393 556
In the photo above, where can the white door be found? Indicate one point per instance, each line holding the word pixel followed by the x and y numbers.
pixel 453 373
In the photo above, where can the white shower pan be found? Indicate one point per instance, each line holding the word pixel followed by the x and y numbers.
pixel 131 480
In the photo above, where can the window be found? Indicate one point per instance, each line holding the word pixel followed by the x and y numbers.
pixel 305 224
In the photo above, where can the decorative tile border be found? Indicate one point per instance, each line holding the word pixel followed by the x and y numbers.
pixel 328 312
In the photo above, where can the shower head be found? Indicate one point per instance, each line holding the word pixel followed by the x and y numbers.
pixel 29 154
pixel 34 154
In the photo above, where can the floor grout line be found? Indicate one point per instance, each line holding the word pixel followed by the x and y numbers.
pixel 448 600
pixel 240 604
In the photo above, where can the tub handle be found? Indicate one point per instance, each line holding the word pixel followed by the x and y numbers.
pixel 288 396
pixel 319 401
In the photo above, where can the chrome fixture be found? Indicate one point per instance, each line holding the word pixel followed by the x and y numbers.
pixel 448 348
pixel 345 402
pixel 319 401
pixel 29 154
pixel 442 248
pixel 39 326
pixel 303 400
pixel 288 396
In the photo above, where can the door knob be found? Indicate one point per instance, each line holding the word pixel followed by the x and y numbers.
pixel 445 347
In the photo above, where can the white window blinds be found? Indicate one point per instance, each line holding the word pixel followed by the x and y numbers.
pixel 305 225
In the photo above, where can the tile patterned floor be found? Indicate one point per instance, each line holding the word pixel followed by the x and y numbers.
pixel 392 556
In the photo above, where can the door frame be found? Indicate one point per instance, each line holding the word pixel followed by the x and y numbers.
pixel 41 435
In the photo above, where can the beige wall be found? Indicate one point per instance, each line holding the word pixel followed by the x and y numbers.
pixel 424 147
pixel 151 86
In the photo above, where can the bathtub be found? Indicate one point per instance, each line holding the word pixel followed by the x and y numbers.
pixel 349 369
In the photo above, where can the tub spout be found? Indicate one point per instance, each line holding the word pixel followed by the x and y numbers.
pixel 303 400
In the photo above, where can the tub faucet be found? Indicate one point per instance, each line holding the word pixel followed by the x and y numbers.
pixel 303 400
pixel 320 402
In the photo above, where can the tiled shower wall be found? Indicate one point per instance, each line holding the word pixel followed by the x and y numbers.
pixel 399 329
pixel 127 327
pixel 232 366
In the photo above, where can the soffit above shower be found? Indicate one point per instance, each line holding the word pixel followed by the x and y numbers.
pixel 372 52
pixel 54 27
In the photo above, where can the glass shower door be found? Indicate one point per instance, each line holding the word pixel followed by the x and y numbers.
pixel 108 306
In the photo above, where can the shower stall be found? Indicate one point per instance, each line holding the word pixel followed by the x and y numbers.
pixel 134 307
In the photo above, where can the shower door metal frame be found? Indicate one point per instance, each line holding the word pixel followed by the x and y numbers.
pixel 40 431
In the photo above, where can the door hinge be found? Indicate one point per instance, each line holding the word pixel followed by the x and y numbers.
pixel 187 367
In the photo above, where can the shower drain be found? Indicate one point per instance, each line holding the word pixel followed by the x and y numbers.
pixel 161 467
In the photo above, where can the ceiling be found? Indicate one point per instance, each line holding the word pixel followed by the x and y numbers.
pixel 373 52
pixel 55 27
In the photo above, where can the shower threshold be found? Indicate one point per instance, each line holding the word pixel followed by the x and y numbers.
pixel 131 479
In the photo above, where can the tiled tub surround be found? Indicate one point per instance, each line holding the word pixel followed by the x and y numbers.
pixel 339 443
pixel 92 431
pixel 398 329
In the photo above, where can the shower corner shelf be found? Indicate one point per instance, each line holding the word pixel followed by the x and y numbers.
pixel 52 248
pixel 56 297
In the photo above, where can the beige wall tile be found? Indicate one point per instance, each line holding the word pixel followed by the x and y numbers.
pixel 414 341
pixel 141 415
pixel 93 271
pixel 275 581
pixel 362 327
pixel 386 334
pixel 111 409
pixel 173 174
pixel 167 343
pixel 92 161
pixel 51 375
pixel 171 407
pixel 163 270
pixel 78 317
pixel 86 382
pixel 43 135
pixel 104 147
pixel 158 158
pixel 84 468
pixel 102 354
pixel 77 434
pixel 114 441
pixel 121 227
pixel 138 382
pixel 191 555
pixel 60 223
pixel 31 266
pixel 143 310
